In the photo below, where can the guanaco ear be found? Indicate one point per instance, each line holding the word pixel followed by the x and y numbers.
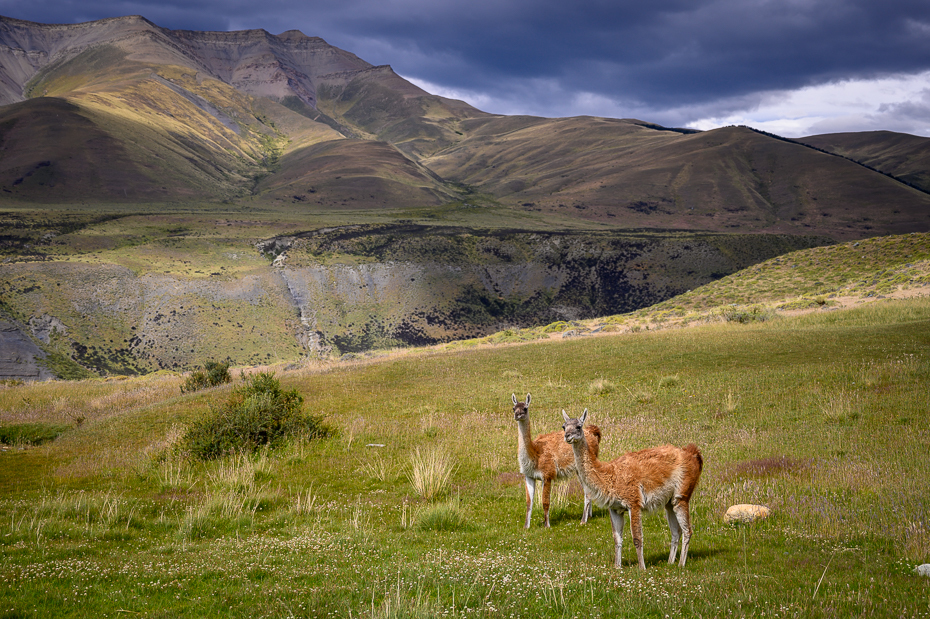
pixel 514 396
pixel 527 399
pixel 584 416
pixel 565 416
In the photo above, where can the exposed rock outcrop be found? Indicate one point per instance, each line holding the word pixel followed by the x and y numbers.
pixel 745 513
pixel 253 61
pixel 21 358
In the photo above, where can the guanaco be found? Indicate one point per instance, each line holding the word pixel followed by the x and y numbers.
pixel 547 458
pixel 639 482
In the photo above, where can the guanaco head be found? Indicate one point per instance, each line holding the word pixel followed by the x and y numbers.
pixel 574 428
pixel 520 409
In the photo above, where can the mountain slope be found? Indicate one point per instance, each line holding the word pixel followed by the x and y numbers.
pixel 157 115
pixel 901 155
pixel 204 115
pixel 726 179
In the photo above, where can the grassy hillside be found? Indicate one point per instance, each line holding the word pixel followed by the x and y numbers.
pixel 352 175
pixel 823 418
pixel 820 279
pixel 903 156
pixel 627 173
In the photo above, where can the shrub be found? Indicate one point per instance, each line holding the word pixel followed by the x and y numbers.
pixel 258 413
pixel 746 315
pixel 211 375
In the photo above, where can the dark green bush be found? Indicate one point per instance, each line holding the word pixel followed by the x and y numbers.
pixel 258 413
pixel 211 375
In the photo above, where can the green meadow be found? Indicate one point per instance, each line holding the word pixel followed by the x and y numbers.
pixel 414 508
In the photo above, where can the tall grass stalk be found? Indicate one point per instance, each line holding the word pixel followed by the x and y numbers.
pixel 376 467
pixel 305 502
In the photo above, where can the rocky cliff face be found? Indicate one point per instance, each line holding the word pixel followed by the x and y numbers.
pixel 21 358
pixel 368 287
pixel 358 288
pixel 253 61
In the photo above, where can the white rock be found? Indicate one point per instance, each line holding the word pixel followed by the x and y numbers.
pixel 745 512
pixel 923 570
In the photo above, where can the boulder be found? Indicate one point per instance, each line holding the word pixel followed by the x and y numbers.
pixel 745 513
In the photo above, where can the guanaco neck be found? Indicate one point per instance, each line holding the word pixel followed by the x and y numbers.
pixel 585 462
pixel 525 442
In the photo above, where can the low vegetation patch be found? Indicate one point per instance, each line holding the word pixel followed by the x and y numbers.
pixel 601 386
pixel 446 517
pixel 744 315
pixel 768 467
pixel 31 433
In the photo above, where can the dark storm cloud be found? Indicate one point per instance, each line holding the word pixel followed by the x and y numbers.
pixel 664 55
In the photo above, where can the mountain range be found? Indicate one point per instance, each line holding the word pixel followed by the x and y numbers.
pixel 345 170
pixel 122 110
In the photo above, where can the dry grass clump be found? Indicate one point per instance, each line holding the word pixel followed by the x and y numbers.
pixel 376 467
pixel 242 472
pixel 601 386
pixel 431 472
pixel 105 508
pixel 728 406
pixel 841 406
pixel 83 401
pixel 236 488
pixel 917 540
pixel 566 493
pixel 305 502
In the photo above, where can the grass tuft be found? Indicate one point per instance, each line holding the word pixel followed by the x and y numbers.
pixel 668 382
pixel 446 517
pixel 601 386
pixel 431 472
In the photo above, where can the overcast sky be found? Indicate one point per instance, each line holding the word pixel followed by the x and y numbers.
pixel 791 67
